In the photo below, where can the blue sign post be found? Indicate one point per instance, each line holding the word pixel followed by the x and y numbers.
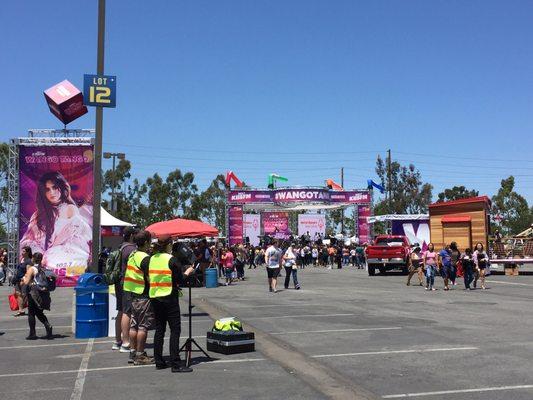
pixel 100 90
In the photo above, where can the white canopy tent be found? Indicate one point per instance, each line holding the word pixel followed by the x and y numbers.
pixel 107 219
pixel 397 217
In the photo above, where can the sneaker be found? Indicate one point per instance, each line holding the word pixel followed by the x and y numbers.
pixel 181 368
pixel 426 288
pixel 144 359
pixel 116 346
pixel 125 349
pixel 32 337
pixel 131 358
pixel 433 289
pixel 298 287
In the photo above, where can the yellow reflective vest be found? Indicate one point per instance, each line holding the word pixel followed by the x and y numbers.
pixel 160 275
pixel 134 277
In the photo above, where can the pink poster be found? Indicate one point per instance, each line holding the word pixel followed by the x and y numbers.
pixel 276 224
pixel 363 231
pixel 56 207
pixel 235 225
pixel 252 228
pixel 311 223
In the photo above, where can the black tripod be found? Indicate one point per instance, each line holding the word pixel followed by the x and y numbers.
pixel 188 345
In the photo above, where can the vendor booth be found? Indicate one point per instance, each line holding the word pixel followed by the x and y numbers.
pixel 464 221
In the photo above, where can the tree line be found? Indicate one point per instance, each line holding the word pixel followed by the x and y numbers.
pixel 177 195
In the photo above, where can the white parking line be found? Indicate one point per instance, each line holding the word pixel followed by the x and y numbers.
pixel 371 353
pixel 458 391
pixel 510 283
pixel 82 372
pixel 74 371
pixel 392 328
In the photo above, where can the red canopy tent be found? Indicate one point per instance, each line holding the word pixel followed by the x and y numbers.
pixel 182 228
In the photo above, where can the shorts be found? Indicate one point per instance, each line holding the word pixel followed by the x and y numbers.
pixel 142 314
pixel 447 271
pixel 272 272
pixel 228 273
pixel 123 300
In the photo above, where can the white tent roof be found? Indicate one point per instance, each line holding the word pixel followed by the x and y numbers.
pixel 107 219
pixel 397 217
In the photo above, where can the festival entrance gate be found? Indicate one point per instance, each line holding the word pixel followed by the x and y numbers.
pixel 274 204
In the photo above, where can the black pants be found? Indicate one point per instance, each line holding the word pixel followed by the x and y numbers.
pixel 35 311
pixel 239 266
pixel 468 276
pixel 167 310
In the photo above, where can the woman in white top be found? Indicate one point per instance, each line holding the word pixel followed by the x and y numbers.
pixel 289 263
pixel 56 228
pixel 38 299
pixel 481 262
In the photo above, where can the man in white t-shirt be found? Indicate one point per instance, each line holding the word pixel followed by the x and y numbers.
pixel 273 263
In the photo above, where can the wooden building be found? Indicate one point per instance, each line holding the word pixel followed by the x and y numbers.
pixel 465 221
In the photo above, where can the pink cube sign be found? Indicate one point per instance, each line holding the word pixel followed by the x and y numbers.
pixel 65 101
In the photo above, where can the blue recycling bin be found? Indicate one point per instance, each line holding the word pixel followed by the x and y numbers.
pixel 211 278
pixel 92 299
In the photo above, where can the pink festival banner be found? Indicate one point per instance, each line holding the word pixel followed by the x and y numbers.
pixel 56 207
pixel 363 212
pixel 303 195
pixel 235 216
pixel 276 224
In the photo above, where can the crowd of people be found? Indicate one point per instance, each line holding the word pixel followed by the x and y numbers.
pixel 449 263
pixel 152 271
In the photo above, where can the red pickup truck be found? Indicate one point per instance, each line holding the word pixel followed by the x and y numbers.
pixel 388 252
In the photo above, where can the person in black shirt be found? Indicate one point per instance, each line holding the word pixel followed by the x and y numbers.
pixel 167 308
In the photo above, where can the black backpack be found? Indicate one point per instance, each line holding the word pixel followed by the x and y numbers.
pixel 45 280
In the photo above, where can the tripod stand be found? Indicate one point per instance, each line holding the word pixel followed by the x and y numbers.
pixel 188 345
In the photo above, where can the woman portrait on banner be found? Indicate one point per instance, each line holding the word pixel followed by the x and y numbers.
pixel 57 229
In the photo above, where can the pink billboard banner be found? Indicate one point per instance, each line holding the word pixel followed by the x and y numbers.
pixel 311 223
pixel 363 227
pixel 56 207
pixel 236 225
pixel 298 195
pixel 276 224
pixel 252 228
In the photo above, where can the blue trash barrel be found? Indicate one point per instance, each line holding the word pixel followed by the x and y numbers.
pixel 211 278
pixel 92 300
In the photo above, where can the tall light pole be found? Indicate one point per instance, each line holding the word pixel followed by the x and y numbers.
pixel 120 156
pixel 97 189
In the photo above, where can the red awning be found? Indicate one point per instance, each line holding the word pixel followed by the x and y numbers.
pixel 182 228
pixel 451 218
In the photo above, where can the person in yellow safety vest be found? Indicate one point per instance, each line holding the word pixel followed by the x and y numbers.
pixel 142 313
pixel 163 275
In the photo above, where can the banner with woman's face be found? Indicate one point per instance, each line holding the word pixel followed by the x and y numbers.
pixel 56 206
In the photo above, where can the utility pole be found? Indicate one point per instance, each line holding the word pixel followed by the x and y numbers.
pixel 342 210
pixel 97 188
pixel 120 156
pixel 389 183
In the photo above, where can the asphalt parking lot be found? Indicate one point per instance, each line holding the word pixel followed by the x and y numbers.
pixel 374 332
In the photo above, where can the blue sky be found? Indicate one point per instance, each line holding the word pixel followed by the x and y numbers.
pixel 300 88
